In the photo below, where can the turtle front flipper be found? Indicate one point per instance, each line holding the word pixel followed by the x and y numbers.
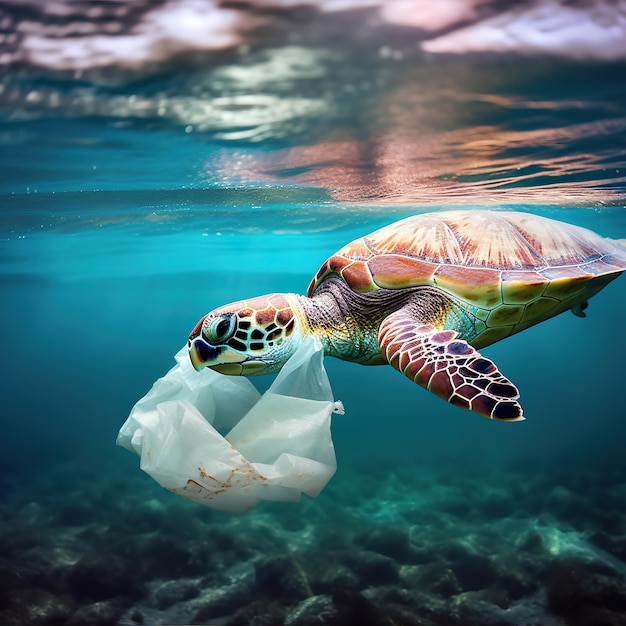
pixel 448 367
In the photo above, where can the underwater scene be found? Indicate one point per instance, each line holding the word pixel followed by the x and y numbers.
pixel 162 159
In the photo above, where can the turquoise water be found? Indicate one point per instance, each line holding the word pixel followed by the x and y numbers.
pixel 135 200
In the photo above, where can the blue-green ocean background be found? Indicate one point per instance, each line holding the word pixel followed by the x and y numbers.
pixel 133 201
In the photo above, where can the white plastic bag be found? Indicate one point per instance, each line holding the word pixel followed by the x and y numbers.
pixel 279 445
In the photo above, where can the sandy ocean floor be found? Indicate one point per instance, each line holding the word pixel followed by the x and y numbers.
pixel 412 546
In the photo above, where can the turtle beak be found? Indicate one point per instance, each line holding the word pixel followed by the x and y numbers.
pixel 196 361
pixel 217 358
pixel 202 355
pixel 195 355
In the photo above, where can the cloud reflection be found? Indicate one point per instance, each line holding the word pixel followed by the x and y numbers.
pixel 340 93
pixel 142 36
pixel 423 144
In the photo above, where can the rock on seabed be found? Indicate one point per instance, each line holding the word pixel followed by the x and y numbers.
pixel 453 552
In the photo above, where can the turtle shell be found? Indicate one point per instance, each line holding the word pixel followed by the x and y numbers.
pixel 512 269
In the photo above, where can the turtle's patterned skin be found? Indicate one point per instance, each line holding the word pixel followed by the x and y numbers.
pixel 263 325
pixel 424 294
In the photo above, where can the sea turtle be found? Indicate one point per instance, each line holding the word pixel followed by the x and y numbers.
pixel 423 294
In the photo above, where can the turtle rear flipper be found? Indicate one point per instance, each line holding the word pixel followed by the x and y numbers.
pixel 448 367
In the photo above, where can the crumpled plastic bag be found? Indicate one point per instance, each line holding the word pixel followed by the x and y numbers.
pixel 277 447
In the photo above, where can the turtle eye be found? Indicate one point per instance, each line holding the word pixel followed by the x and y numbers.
pixel 219 329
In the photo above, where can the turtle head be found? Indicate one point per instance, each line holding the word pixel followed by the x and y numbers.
pixel 249 337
